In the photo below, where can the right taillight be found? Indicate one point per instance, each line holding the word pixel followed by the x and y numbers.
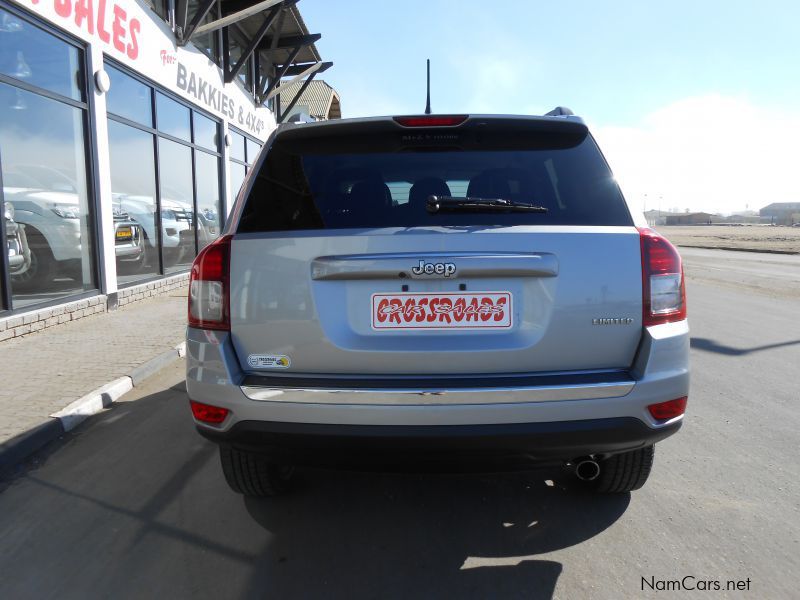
pixel 663 288
pixel 209 293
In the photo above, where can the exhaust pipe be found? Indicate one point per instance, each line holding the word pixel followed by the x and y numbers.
pixel 587 469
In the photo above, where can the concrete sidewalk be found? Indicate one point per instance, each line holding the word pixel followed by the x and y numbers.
pixel 44 372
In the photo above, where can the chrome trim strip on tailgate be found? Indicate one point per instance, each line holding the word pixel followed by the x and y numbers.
pixel 406 396
pixel 469 264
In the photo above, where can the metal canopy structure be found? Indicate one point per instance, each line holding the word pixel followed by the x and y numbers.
pixel 259 41
pixel 319 100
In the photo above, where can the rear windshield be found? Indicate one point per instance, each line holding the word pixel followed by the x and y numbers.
pixel 298 187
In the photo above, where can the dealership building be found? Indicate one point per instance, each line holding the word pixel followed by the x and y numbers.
pixel 126 129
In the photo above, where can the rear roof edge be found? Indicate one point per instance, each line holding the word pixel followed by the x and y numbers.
pixel 366 124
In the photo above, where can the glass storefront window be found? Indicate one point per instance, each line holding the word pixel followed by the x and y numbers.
pixel 128 97
pixel 43 162
pixel 237 178
pixel 188 177
pixel 133 188
pixel 177 204
pixel 208 219
pixel 252 150
pixel 205 131
pixel 243 152
pixel 32 55
pixel 173 118
pixel 237 146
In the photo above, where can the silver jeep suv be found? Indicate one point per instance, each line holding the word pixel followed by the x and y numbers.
pixel 436 289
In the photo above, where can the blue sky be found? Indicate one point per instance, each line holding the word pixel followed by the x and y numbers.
pixel 685 98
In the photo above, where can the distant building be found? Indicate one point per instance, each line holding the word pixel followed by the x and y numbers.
pixel 655 218
pixel 782 213
pixel 698 218
pixel 318 101
pixel 750 217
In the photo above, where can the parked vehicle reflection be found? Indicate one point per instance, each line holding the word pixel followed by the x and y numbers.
pixel 19 255
pixel 47 204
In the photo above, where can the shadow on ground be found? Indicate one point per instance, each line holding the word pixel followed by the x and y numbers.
pixel 367 535
pixel 707 345
pixel 134 502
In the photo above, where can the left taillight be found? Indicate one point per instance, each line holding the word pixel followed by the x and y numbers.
pixel 205 413
pixel 209 287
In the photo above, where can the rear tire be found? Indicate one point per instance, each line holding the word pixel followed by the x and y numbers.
pixel 625 472
pixel 253 475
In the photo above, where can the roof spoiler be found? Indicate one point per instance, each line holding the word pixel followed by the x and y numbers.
pixel 560 111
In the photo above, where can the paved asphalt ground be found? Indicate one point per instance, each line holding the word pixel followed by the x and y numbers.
pixel 133 504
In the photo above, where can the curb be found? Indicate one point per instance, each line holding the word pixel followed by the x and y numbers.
pixel 18 448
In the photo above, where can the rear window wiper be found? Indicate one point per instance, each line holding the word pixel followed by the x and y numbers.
pixel 437 204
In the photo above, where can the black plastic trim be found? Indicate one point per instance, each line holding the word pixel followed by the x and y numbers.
pixel 364 445
pixel 425 383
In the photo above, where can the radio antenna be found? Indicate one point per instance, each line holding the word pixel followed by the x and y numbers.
pixel 428 101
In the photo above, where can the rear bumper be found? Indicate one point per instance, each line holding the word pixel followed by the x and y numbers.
pixel 559 417
pixel 390 445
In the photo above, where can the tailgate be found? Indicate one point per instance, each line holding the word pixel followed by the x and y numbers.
pixel 490 301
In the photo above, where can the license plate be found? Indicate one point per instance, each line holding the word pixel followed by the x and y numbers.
pixel 457 310
pixel 124 234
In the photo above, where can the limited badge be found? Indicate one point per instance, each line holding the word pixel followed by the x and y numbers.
pixel 269 361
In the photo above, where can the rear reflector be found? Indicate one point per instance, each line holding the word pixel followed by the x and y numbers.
pixel 209 296
pixel 205 413
pixel 669 409
pixel 663 288
pixel 431 121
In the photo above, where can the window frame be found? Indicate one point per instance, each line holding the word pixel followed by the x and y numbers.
pixel 247 163
pixel 155 89
pixel 90 156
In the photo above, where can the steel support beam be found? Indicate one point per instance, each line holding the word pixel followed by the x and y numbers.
pixel 285 43
pixel 263 82
pixel 300 68
pixel 238 16
pixel 303 88
pixel 181 9
pixel 186 31
pixel 251 46
pixel 315 68
pixel 281 72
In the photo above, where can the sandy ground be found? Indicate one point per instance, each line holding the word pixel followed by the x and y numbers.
pixel 763 238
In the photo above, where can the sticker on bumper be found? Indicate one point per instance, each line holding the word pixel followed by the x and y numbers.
pixel 269 361
pixel 458 310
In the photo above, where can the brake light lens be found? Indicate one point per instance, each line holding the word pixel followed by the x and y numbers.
pixel 431 120
pixel 668 410
pixel 663 287
pixel 209 287
pixel 205 413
